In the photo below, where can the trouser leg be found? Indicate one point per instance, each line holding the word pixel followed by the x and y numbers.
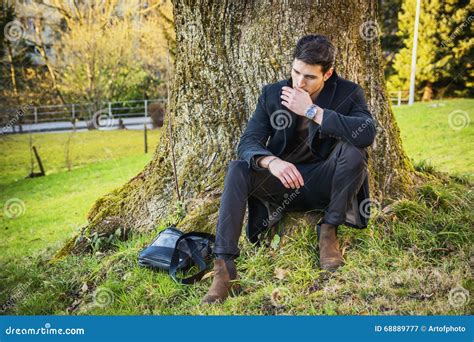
pixel 332 184
pixel 240 183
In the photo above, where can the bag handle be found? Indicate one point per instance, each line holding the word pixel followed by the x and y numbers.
pixel 195 255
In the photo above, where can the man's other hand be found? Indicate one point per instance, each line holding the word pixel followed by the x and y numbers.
pixel 286 172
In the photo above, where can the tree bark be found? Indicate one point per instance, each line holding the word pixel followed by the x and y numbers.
pixel 225 52
pixel 41 46
pixel 12 70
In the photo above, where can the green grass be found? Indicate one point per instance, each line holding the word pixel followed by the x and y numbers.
pixel 86 147
pixel 409 260
pixel 52 208
pixel 431 135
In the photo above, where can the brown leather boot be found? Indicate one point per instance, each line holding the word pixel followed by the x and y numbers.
pixel 221 285
pixel 330 258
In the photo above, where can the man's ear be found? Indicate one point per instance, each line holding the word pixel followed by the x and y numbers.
pixel 328 74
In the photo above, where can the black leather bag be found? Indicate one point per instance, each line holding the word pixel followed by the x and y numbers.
pixel 173 250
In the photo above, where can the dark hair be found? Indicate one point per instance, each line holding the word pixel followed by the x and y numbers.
pixel 315 49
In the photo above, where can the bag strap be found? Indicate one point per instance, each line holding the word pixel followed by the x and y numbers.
pixel 196 257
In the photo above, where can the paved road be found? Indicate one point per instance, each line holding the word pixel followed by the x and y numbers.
pixel 64 126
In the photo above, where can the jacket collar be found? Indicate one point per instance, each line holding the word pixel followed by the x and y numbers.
pixel 324 99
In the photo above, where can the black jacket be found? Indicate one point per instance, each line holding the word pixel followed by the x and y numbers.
pixel 346 117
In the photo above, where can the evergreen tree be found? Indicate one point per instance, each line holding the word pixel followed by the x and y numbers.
pixel 444 48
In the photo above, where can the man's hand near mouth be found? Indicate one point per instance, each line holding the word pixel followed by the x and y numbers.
pixel 298 101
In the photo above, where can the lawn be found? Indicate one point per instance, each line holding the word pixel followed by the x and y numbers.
pixel 409 260
pixel 440 133
pixel 51 208
pixel 85 147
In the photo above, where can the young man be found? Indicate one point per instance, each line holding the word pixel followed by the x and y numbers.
pixel 303 149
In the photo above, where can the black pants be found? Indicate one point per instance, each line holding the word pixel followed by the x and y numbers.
pixel 329 184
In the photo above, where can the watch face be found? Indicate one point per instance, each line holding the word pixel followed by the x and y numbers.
pixel 311 112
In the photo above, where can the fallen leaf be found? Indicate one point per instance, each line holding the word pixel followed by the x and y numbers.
pixel 280 273
pixel 276 296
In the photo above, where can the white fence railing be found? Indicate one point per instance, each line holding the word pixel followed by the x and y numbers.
pixel 78 111
pixel 398 97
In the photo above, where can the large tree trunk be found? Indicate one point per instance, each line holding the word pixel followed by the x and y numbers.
pixel 226 51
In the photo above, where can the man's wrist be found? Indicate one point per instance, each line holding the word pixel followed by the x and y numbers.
pixel 318 118
pixel 265 161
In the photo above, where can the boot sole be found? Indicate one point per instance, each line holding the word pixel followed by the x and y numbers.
pixel 234 290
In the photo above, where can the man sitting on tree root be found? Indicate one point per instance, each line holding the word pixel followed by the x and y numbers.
pixel 303 149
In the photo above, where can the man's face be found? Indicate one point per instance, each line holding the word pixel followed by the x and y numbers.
pixel 308 77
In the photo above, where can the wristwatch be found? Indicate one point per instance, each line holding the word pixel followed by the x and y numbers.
pixel 311 112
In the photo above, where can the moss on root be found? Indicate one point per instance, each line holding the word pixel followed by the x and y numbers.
pixel 202 216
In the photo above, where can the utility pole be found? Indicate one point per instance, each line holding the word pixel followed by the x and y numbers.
pixel 411 98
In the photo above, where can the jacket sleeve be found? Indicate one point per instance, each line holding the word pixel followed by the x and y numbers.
pixel 357 128
pixel 252 143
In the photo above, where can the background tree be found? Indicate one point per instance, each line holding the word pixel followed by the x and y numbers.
pixel 225 53
pixel 94 51
pixel 114 51
pixel 12 57
pixel 387 11
pixel 445 48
